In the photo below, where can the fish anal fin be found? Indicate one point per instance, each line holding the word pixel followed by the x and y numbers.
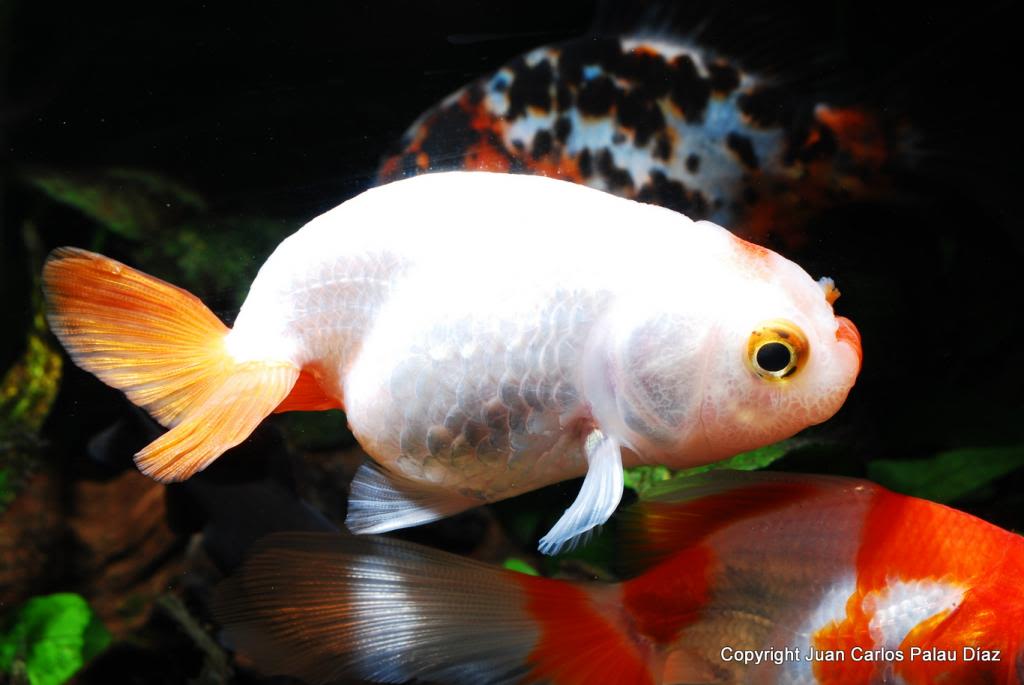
pixel 308 395
pixel 596 501
pixel 231 411
pixel 380 501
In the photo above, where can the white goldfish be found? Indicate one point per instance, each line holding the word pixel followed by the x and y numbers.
pixel 486 335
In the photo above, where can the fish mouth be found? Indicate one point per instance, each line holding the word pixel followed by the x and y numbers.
pixel 848 333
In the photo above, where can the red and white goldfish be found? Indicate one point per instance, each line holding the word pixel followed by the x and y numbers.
pixel 750 578
pixel 579 333
pixel 662 121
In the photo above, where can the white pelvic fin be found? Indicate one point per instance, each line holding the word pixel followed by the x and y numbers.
pixel 596 502
pixel 379 502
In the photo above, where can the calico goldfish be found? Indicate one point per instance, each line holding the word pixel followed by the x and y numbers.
pixel 665 121
pixel 747 578
pixel 582 332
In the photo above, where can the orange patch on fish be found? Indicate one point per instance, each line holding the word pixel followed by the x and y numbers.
pixel 578 645
pixel 671 596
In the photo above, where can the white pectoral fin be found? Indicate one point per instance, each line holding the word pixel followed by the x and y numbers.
pixel 380 501
pixel 596 502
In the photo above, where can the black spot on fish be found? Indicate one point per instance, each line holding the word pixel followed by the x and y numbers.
pixel 614 176
pixel 618 138
pixel 692 163
pixel 640 113
pixel 648 70
pixel 689 92
pixel 449 133
pixel 724 77
pixel 766 107
pixel 563 97
pixel 586 163
pixel 596 97
pixel 542 144
pixel 663 148
pixel 601 52
pixel 744 149
pixel 660 190
pixel 563 127
pixel 531 87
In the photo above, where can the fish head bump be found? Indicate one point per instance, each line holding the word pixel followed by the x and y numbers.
pixel 755 357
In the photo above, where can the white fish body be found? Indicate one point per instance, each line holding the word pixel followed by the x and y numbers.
pixel 490 334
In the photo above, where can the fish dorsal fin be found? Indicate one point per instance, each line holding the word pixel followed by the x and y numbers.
pixel 683 512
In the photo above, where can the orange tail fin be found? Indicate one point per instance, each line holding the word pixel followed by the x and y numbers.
pixel 166 351
pixel 321 606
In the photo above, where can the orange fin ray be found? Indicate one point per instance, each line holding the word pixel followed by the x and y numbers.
pixel 155 342
pixel 167 352
pixel 227 417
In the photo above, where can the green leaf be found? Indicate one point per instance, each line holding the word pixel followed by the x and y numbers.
pixel 639 478
pixel 50 638
pixel 128 202
pixel 520 566
pixel 27 392
pixel 642 478
pixel 28 389
pixel 212 256
pixel 748 461
pixel 947 476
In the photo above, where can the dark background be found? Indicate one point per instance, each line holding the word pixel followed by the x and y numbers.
pixel 273 113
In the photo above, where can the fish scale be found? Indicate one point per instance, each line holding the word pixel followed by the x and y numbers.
pixel 498 413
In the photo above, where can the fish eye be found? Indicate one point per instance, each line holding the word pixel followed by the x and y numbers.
pixel 777 350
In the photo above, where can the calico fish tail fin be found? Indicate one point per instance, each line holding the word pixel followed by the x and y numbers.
pixel 167 352
pixel 321 606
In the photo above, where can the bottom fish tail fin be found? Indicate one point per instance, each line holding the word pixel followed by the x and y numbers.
pixel 167 352
pixel 321 606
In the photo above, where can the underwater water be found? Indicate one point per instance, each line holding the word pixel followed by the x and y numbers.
pixel 188 140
